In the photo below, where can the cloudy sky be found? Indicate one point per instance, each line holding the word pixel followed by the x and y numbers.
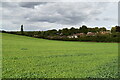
pixel 57 15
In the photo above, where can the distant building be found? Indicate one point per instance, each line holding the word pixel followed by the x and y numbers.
pixel 35 36
pixel 76 35
pixel 70 36
pixel 90 34
pixel 80 34
pixel 105 32
pixel 62 37
pixel 73 36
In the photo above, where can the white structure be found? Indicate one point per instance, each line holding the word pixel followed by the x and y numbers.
pixel 74 36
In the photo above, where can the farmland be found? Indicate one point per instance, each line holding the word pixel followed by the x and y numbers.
pixel 27 57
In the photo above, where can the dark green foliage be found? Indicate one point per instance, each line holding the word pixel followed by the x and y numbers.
pixel 84 29
pixel 65 31
pixel 113 29
pixel 117 28
pixel 102 29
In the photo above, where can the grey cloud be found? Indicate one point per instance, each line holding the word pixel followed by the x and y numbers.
pixel 9 5
pixel 65 13
pixel 32 28
pixel 30 4
pixel 97 19
pixel 70 14
pixel 108 19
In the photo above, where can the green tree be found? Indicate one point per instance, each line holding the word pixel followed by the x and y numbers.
pixel 73 30
pixel 65 31
pixel 113 29
pixel 102 29
pixel 84 29
pixel 96 29
pixel 117 28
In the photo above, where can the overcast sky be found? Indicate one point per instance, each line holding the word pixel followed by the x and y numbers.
pixel 58 15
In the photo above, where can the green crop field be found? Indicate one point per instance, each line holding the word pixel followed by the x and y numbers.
pixel 27 57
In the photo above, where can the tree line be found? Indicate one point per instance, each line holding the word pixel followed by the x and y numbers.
pixel 82 33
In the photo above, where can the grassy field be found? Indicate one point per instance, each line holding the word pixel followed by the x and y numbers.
pixel 38 58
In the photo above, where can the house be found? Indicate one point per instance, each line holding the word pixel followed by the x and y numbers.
pixel 73 36
pixel 76 35
pixel 105 32
pixel 62 36
pixel 80 34
pixel 90 34
pixel 70 36
pixel 35 36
